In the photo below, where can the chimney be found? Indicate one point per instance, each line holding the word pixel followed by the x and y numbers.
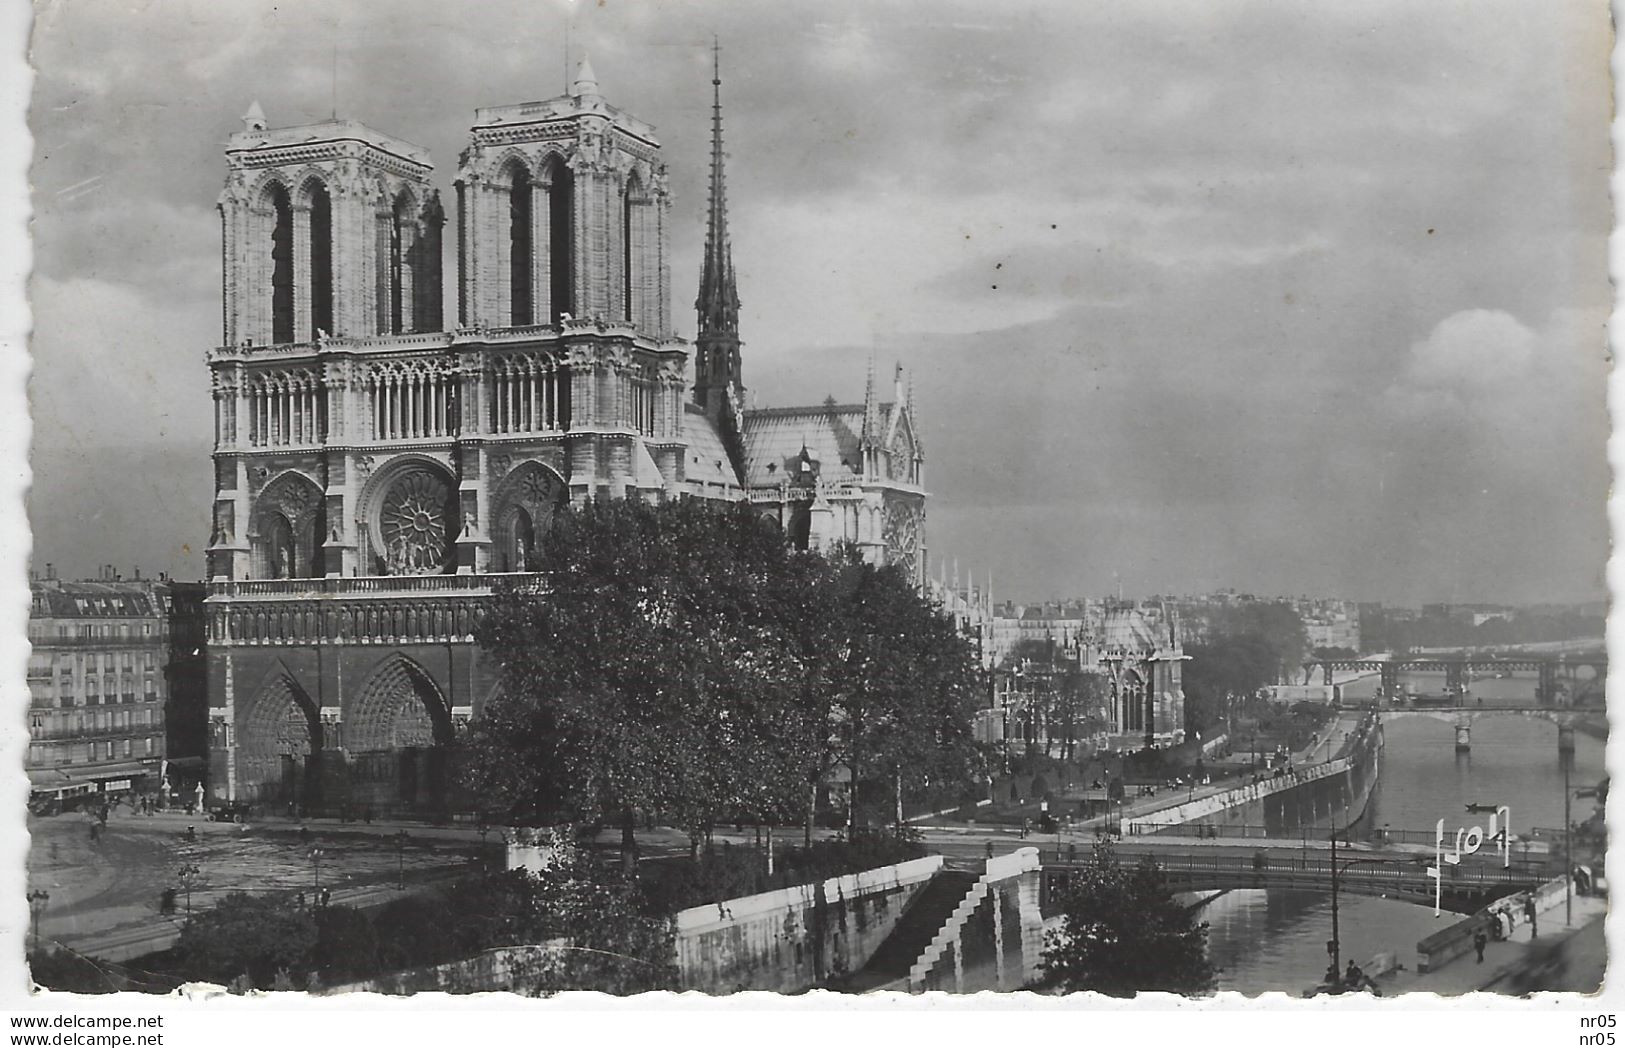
pixel 50 570
pixel 138 573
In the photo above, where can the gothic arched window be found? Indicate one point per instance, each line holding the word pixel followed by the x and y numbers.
pixel 520 261
pixel 561 237
pixel 398 217
pixel 281 266
pixel 627 268
pixel 321 261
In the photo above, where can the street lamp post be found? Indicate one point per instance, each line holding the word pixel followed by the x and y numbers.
pixel 1568 849
pixel 400 859
pixel 38 899
pixel 188 872
pixel 1335 947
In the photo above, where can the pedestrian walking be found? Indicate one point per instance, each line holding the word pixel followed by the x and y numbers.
pixel 1529 912
pixel 1479 942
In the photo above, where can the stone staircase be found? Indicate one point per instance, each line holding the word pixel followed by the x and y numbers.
pixel 948 931
pixel 889 968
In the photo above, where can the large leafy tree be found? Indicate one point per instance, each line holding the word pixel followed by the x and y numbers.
pixel 902 686
pixel 680 659
pixel 644 674
pixel 1123 933
pixel 1224 674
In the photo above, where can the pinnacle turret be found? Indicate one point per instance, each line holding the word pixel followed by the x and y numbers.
pixel 586 82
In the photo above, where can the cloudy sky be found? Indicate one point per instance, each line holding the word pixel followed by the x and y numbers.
pixel 1290 298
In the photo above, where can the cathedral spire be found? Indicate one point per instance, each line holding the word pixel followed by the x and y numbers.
pixel 717 367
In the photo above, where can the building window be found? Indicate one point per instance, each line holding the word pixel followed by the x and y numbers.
pixel 561 237
pixel 520 262
pixel 281 266
pixel 149 745
pixel 321 262
pixel 127 749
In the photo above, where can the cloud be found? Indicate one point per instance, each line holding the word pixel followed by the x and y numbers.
pixel 1284 300
pixel 1476 349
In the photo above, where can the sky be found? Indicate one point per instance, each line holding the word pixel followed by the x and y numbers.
pixel 1281 297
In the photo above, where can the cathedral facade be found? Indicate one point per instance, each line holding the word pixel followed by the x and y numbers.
pixel 378 472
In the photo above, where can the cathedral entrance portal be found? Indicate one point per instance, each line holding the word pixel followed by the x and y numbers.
pixel 398 739
pixel 279 747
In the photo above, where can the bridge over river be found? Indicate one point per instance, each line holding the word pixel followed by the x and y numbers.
pixel 1556 675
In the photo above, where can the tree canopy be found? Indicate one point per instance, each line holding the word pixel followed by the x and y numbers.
pixel 1123 933
pixel 681 660
pixel 1247 648
pixel 1064 703
pixel 253 935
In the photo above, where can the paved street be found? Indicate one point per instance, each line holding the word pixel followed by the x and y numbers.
pixel 105 893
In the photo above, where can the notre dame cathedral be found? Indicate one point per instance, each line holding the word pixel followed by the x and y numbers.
pixel 376 472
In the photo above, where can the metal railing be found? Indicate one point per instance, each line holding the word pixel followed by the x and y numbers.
pixel 1403 873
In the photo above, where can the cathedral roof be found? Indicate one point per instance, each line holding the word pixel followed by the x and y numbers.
pixel 774 438
pixel 709 472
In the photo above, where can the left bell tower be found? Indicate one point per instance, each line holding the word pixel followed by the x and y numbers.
pixel 328 229
pixel 330 233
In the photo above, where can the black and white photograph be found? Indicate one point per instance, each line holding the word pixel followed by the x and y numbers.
pixel 1089 500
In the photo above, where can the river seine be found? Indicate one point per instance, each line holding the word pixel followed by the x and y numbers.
pixel 1263 941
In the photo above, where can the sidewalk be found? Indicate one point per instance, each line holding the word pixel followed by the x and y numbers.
pixel 1502 960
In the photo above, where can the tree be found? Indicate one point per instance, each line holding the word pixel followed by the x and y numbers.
pixel 247 934
pixel 346 945
pixel 1123 933
pixel 587 920
pixel 1064 702
pixel 682 660
pixel 646 676
pixel 903 685
pixel 1226 670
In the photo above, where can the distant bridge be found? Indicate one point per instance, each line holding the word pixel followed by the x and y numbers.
pixel 1458 669
pixel 1461 718
pixel 1388 874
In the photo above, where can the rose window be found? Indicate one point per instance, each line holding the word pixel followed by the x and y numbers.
pixel 414 524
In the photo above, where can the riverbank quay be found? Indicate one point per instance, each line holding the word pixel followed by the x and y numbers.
pixel 1522 953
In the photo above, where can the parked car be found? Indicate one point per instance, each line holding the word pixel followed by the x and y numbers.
pixel 229 813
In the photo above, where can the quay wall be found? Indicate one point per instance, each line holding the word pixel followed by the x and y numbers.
pixel 796 938
pixel 1317 797
pixel 783 941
